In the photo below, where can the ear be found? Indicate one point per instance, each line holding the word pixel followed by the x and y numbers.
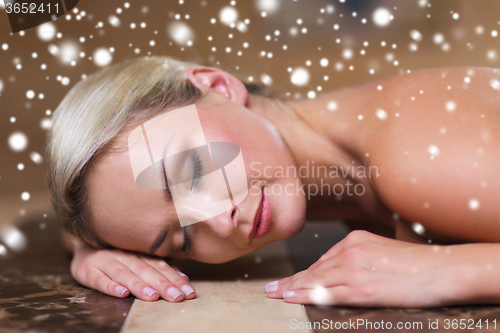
pixel 223 83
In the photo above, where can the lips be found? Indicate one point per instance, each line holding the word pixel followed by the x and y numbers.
pixel 262 219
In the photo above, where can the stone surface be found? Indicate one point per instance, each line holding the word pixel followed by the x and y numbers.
pixel 38 294
pixel 446 319
pixel 230 297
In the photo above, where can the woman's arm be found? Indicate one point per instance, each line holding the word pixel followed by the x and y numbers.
pixel 368 270
pixel 438 164
pixel 119 273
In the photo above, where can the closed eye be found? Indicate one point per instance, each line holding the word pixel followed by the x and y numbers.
pixel 187 243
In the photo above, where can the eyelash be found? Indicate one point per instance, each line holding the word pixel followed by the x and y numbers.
pixel 187 243
pixel 198 166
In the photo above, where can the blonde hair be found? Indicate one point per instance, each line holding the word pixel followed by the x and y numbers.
pixel 92 114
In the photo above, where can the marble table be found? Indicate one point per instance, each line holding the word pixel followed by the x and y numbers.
pixel 38 294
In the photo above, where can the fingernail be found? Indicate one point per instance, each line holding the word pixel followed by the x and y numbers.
pixel 272 283
pixel 271 287
pixel 182 274
pixel 121 290
pixel 187 289
pixel 288 293
pixel 174 293
pixel 149 291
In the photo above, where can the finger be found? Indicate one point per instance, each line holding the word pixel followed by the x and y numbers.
pixel 318 266
pixel 275 290
pixel 325 261
pixel 173 275
pixel 102 283
pixel 354 237
pixel 121 274
pixel 184 276
pixel 147 273
pixel 319 278
pixel 332 252
pixel 274 287
pixel 175 268
pixel 326 296
pixel 293 277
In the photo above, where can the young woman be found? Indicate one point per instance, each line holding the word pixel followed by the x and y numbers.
pixel 414 157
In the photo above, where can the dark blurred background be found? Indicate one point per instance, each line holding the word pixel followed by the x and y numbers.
pixel 332 43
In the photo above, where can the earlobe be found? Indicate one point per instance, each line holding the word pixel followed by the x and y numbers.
pixel 221 82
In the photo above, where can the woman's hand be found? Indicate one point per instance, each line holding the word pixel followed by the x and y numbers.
pixel 119 273
pixel 368 270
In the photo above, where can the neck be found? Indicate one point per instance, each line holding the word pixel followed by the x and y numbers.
pixel 327 161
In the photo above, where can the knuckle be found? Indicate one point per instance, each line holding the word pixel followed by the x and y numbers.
pixel 163 265
pixel 311 268
pixel 137 285
pixel 358 278
pixel 142 267
pixel 162 285
pixel 85 262
pixel 309 271
pixel 366 292
pixel 353 252
pixel 356 236
pixel 119 271
pixel 78 272
pixel 312 278
pixel 98 281
pixel 99 255
pixel 147 269
pixel 287 279
pixel 178 280
pixel 322 258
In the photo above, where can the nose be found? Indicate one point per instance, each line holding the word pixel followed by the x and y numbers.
pixel 224 224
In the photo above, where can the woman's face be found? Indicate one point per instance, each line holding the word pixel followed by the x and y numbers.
pixel 133 218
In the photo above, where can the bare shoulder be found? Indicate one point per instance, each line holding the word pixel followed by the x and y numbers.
pixel 435 139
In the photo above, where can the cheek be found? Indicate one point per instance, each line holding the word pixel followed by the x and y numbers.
pixel 271 163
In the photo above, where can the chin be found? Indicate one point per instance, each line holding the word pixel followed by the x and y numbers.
pixel 221 259
pixel 295 228
pixel 291 221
